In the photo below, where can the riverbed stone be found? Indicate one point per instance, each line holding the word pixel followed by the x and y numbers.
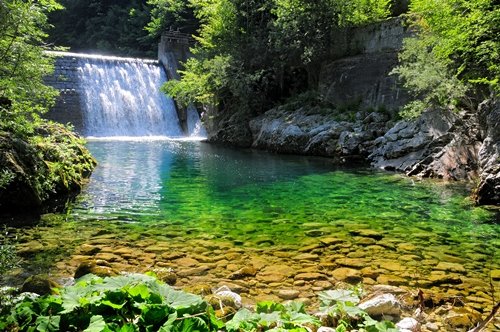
pixel 450 267
pixel 288 294
pixel 247 271
pixel 348 275
pixel 462 317
pixel 392 280
pixel 186 262
pixel 93 268
pixel 275 273
pixel 307 257
pixel 195 271
pixel 108 257
pixel 369 233
pixel 310 276
pixel 351 262
pixel 88 249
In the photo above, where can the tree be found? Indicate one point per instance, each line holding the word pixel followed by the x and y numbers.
pixel 105 26
pixel 23 63
pixel 454 58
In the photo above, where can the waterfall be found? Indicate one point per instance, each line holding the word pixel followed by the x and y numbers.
pixel 121 97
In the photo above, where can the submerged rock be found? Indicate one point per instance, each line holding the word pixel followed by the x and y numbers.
pixel 92 267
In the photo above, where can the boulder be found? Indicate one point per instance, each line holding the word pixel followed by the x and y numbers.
pixel 94 267
pixel 40 284
pixel 408 324
pixel 384 304
pixel 439 144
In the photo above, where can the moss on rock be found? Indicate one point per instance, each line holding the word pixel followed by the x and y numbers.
pixel 42 170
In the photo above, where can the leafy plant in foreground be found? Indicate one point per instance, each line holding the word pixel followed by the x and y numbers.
pixel 341 306
pixel 124 303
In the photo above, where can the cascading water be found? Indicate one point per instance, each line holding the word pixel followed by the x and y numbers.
pixel 121 97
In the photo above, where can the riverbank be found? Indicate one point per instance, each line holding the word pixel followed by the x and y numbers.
pixel 439 144
pixel 42 171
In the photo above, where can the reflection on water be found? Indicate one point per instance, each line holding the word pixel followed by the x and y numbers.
pixel 137 177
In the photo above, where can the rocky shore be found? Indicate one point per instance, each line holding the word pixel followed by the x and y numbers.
pixel 439 144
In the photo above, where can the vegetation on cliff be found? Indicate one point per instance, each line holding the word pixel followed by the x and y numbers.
pixel 39 160
pixel 103 26
pixel 251 55
pixel 453 60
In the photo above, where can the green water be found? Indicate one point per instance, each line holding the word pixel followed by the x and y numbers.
pixel 244 194
pixel 226 209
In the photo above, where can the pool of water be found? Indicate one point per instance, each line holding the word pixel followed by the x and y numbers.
pixel 295 223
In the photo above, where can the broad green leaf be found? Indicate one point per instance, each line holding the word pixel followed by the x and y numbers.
pixel 269 319
pixel 168 326
pixel 71 298
pixel 47 323
pixel 113 305
pixel 140 290
pixel 301 319
pixel 97 324
pixel 182 301
pixel 295 306
pixel 154 314
pixel 128 328
pixel 330 297
pixel 269 307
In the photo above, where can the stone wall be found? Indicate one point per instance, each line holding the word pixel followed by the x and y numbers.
pixel 68 105
pixel 358 74
pixel 173 51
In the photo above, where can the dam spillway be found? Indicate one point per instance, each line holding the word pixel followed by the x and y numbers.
pixel 105 96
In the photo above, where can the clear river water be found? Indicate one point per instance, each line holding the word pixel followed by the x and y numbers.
pixel 264 224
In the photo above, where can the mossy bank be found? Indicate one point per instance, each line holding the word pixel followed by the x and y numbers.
pixel 43 170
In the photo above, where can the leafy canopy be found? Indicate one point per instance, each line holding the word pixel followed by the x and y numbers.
pixel 251 54
pixel 23 64
pixel 454 57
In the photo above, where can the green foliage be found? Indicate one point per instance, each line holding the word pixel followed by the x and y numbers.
pixel 250 54
pixel 341 306
pixel 110 26
pixel 171 14
pixel 454 57
pixel 271 316
pixel 8 257
pixel 23 96
pixel 124 303
pixel 136 302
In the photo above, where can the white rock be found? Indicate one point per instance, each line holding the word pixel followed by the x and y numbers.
pixel 226 292
pixel 408 324
pixel 432 327
pixel 385 304
pixel 326 329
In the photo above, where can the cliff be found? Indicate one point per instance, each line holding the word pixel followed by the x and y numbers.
pixel 352 119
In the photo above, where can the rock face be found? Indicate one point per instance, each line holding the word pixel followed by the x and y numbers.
pixel 311 132
pixel 363 81
pixel 488 191
pixel 439 144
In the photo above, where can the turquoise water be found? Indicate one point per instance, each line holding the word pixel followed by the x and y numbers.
pixel 205 211
pixel 222 190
